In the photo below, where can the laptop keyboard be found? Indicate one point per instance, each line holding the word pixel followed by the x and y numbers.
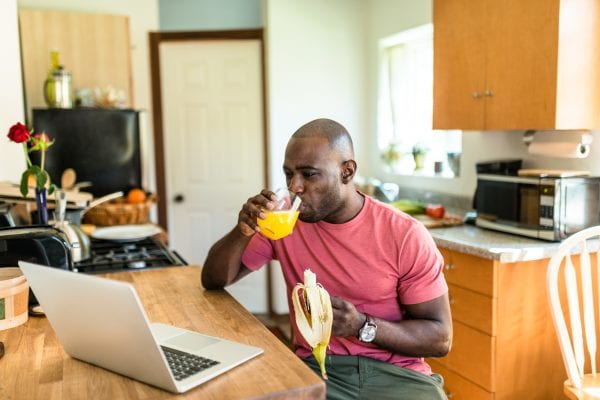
pixel 185 364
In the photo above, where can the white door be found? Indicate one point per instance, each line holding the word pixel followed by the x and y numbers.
pixel 214 146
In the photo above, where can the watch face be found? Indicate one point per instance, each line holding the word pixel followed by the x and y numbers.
pixel 367 333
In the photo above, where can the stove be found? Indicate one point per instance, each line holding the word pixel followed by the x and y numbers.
pixel 109 256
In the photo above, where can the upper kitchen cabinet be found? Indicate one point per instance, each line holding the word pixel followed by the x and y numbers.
pixel 514 64
pixel 94 47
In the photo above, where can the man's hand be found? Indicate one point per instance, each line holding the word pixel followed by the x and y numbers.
pixel 347 320
pixel 252 209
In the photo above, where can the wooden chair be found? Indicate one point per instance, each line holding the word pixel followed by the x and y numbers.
pixel 572 297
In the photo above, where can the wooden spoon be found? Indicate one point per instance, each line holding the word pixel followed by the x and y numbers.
pixel 68 179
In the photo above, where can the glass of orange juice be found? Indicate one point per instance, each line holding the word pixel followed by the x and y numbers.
pixel 279 222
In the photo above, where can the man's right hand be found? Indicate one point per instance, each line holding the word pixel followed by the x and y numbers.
pixel 252 210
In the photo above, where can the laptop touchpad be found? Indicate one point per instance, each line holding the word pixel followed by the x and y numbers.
pixel 190 341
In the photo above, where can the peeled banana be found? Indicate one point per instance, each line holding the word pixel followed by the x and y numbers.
pixel 314 316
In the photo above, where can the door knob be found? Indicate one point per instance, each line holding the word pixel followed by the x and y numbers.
pixel 178 198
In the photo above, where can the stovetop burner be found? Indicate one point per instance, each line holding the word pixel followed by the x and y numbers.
pixel 109 256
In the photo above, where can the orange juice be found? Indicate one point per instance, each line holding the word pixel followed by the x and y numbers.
pixel 277 224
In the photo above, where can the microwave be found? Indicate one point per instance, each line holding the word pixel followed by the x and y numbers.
pixel 548 208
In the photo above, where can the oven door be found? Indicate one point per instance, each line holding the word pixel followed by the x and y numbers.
pixel 509 203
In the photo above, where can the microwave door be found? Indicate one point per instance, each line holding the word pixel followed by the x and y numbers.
pixel 498 201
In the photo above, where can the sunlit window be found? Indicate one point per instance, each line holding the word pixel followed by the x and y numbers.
pixel 407 143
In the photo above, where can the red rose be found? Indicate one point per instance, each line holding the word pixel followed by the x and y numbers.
pixel 18 133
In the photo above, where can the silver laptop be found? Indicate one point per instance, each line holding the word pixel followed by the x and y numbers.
pixel 102 321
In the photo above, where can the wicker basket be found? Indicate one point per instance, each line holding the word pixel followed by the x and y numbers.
pixel 119 212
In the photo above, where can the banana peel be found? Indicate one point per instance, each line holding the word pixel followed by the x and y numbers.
pixel 314 316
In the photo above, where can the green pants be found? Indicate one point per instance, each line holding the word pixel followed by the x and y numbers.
pixel 354 377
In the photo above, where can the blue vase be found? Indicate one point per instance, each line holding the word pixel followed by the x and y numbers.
pixel 42 206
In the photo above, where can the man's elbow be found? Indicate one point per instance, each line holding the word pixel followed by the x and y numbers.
pixel 210 282
pixel 211 285
pixel 443 345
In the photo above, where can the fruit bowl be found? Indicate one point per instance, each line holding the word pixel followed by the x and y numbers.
pixel 120 212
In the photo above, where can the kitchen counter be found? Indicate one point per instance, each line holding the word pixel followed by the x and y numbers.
pixel 495 245
pixel 35 366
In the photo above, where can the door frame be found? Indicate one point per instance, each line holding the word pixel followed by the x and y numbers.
pixel 156 38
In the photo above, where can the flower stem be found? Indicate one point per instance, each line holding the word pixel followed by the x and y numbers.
pixel 27 159
pixel 43 159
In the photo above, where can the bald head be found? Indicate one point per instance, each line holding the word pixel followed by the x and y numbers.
pixel 333 132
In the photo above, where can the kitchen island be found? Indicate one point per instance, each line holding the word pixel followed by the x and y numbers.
pixel 35 366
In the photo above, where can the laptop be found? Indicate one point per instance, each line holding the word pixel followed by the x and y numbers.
pixel 102 322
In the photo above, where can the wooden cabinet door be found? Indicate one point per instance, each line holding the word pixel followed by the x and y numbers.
pixel 521 69
pixel 515 65
pixel 458 64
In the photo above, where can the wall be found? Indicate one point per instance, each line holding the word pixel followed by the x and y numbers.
pixel 12 161
pixel 181 15
pixel 390 16
pixel 143 18
pixel 315 68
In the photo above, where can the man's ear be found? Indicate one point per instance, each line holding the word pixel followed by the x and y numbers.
pixel 348 170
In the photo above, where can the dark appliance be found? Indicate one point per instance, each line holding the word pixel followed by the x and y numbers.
pixel 37 244
pixel 502 167
pixel 548 208
pixel 101 145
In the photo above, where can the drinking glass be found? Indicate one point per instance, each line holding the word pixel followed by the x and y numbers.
pixel 280 221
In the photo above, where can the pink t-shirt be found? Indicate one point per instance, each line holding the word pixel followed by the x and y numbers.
pixel 379 260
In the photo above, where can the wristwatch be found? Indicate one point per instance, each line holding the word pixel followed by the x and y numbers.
pixel 368 331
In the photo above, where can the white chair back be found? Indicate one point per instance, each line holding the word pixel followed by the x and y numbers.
pixel 581 308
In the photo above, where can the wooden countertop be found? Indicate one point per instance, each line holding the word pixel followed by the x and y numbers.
pixel 35 366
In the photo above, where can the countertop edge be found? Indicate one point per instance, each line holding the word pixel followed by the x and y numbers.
pixel 503 247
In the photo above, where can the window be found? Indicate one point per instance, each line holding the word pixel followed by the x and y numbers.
pixel 406 140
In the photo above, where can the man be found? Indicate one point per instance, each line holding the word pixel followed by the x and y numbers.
pixel 380 266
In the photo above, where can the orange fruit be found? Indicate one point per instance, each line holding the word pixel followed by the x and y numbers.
pixel 136 196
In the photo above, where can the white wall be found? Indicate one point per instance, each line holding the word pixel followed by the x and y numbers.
pixel 390 16
pixel 315 68
pixel 12 160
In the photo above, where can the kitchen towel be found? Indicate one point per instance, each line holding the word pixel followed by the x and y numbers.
pixel 562 144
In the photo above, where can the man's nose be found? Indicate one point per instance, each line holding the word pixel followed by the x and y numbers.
pixel 296 185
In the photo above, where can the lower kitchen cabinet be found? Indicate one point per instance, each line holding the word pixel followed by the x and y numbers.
pixel 504 345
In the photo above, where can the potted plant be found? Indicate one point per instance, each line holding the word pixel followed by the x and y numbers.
pixel 391 155
pixel 418 152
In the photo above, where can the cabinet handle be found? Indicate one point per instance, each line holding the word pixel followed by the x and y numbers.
pixel 451 300
pixel 449 395
pixel 488 93
pixel 476 95
pixel 448 266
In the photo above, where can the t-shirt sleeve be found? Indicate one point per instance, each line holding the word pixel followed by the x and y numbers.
pixel 423 277
pixel 258 252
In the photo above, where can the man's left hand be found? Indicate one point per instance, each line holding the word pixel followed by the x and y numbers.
pixel 347 320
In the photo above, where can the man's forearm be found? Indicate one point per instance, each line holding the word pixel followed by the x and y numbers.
pixel 415 338
pixel 223 263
